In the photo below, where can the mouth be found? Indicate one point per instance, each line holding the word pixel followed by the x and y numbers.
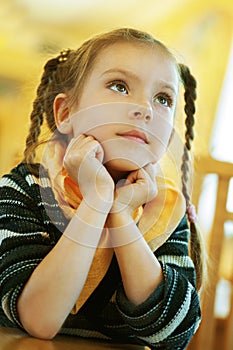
pixel 135 135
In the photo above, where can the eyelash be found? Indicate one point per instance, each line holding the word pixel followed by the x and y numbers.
pixel 118 82
pixel 165 96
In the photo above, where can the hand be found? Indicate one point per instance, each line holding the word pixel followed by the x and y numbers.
pixel 83 162
pixel 138 189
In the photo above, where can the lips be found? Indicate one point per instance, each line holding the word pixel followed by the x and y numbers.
pixel 135 135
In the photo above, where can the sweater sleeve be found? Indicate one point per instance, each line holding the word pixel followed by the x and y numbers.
pixel 24 238
pixel 171 315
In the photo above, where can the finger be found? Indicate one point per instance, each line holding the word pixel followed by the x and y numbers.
pixel 137 175
pixel 151 170
pixel 147 176
pixel 133 176
pixel 79 142
pixel 96 149
pixel 74 142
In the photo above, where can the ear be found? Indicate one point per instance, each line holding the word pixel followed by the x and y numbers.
pixel 61 114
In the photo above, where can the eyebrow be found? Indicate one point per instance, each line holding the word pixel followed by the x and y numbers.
pixel 135 77
pixel 169 86
pixel 122 71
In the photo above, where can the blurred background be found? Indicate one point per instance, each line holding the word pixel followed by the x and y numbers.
pixel 200 33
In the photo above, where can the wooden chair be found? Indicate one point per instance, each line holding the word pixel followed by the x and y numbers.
pixel 207 337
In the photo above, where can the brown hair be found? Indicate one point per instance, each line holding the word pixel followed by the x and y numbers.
pixel 67 73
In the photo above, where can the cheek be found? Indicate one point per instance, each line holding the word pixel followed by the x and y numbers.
pixel 160 135
pixel 92 119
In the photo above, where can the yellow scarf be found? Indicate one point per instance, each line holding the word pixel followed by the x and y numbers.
pixel 156 221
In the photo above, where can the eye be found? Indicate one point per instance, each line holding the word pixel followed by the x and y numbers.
pixel 118 86
pixel 164 100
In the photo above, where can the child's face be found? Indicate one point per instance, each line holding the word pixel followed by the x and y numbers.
pixel 128 103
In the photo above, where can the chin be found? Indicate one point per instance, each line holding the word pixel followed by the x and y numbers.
pixel 124 165
pixel 120 158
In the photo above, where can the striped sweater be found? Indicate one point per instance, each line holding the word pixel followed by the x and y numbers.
pixel 166 320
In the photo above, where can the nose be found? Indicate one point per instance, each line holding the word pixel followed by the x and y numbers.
pixel 140 112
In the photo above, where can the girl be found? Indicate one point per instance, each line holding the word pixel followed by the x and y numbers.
pixel 93 242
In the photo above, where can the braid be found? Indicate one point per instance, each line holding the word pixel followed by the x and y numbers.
pixel 40 106
pixel 190 97
pixel 34 131
pixel 197 246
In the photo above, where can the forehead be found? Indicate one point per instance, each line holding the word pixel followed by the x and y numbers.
pixel 141 58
